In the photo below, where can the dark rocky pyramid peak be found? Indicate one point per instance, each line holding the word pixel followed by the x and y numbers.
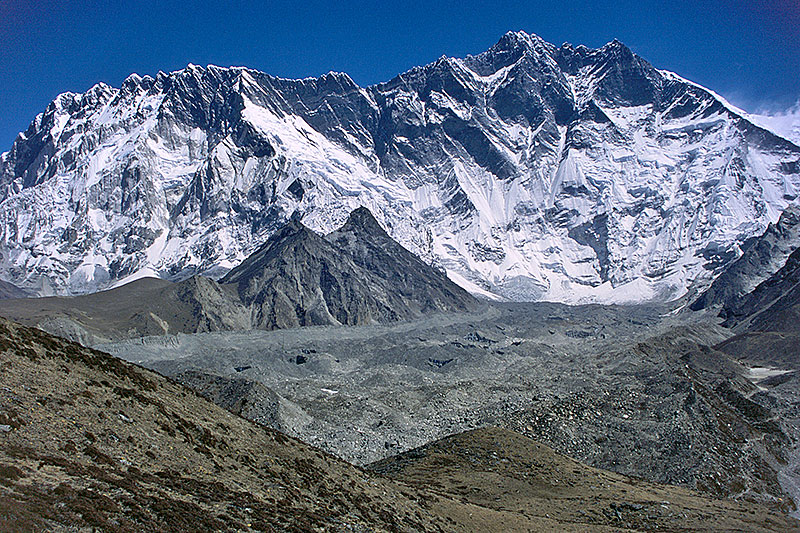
pixel 356 275
pixel 291 234
pixel 360 220
pixel 294 228
pixel 509 49
pixel 371 248
pixel 616 52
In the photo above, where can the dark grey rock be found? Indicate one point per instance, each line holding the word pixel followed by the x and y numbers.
pixel 762 256
pixel 356 275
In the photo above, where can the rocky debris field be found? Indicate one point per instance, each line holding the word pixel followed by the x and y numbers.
pixel 90 442
pixel 634 389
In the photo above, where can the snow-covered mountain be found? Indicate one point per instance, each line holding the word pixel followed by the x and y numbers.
pixel 785 123
pixel 528 171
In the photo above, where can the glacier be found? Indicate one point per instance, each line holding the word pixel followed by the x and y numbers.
pixel 526 172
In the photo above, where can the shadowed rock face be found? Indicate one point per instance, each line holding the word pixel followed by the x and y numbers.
pixel 774 305
pixel 10 291
pixel 298 279
pixel 420 286
pixel 762 257
pixel 767 322
pixel 758 296
pixel 357 275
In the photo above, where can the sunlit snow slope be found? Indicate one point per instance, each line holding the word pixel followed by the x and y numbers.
pixel 528 171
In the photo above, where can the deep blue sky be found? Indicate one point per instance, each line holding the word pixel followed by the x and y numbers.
pixel 749 51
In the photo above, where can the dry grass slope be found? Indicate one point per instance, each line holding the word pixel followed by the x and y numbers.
pixel 96 442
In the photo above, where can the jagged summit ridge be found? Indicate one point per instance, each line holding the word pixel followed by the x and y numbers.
pixel 762 257
pixel 529 170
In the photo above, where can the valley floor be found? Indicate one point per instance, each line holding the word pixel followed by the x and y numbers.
pixel 90 442
pixel 633 389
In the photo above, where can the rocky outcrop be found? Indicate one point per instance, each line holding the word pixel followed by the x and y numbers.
pixel 357 275
pixel 248 399
pixel 762 257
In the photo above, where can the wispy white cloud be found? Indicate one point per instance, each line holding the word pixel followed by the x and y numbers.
pixel 785 123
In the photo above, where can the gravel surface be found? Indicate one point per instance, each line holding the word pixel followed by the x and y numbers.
pixel 634 389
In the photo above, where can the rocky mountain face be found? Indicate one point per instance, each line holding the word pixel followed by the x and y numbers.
pixel 285 282
pixel 10 291
pixel 529 171
pixel 758 296
pixel 783 291
pixel 766 320
pixel 356 275
pixel 774 305
pixel 762 257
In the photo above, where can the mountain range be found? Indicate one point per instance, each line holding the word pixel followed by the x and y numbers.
pixel 191 222
pixel 527 172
